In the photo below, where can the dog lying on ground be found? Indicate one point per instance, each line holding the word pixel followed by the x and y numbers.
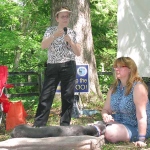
pixel 95 129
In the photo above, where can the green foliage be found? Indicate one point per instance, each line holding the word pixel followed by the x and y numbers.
pixel 104 30
pixel 24 83
pixel 104 27
pixel 21 30
pixel 106 81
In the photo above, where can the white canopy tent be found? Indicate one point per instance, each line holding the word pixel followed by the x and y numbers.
pixel 134 33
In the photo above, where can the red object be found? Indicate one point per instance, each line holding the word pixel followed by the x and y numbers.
pixel 3 84
pixel 3 77
pixel 16 115
pixel 5 103
pixel 6 106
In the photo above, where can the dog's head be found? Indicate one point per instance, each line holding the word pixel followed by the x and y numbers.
pixel 101 125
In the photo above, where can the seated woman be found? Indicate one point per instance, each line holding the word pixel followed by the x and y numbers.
pixel 127 108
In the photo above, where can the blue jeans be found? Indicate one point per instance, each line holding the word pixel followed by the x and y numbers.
pixel 55 73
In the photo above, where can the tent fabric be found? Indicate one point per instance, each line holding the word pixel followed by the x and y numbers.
pixel 134 33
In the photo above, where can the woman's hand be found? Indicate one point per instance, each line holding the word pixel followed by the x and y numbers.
pixel 107 118
pixel 139 144
pixel 58 33
pixel 67 38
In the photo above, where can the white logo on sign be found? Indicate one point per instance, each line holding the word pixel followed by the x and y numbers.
pixel 82 71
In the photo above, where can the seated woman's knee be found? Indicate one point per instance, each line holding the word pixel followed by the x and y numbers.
pixel 110 135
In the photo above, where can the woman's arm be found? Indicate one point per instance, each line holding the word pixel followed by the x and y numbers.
pixel 46 42
pixel 140 96
pixel 106 111
pixel 75 46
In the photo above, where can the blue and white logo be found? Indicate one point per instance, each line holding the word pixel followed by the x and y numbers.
pixel 82 71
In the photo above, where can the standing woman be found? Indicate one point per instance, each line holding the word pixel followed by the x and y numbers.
pixel 127 108
pixel 62 48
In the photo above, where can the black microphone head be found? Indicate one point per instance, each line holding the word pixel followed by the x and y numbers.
pixel 65 30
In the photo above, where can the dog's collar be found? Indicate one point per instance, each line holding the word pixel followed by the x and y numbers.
pixel 98 130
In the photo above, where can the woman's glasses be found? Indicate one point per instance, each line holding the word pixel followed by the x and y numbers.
pixel 65 17
pixel 119 67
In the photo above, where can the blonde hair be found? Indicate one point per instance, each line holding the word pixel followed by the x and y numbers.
pixel 133 76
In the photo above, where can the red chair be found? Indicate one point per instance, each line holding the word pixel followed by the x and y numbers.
pixel 4 101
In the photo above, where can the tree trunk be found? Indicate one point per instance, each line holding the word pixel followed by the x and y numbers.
pixel 17 60
pixel 81 23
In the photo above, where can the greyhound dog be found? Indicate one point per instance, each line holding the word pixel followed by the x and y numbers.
pixel 95 129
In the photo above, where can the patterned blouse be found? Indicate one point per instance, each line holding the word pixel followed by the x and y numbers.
pixel 123 107
pixel 59 51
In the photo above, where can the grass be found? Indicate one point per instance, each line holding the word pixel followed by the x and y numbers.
pixel 30 105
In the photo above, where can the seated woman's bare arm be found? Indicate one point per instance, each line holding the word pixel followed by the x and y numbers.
pixel 106 112
pixel 140 96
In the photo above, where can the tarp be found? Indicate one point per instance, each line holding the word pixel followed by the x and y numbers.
pixel 134 33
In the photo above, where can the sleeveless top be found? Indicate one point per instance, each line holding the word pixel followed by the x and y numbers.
pixel 123 107
pixel 59 51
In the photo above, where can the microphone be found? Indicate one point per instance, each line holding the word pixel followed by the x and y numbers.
pixel 65 30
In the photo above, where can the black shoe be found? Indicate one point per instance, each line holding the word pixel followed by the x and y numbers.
pixel 64 124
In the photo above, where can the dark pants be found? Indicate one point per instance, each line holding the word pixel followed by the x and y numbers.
pixel 66 73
